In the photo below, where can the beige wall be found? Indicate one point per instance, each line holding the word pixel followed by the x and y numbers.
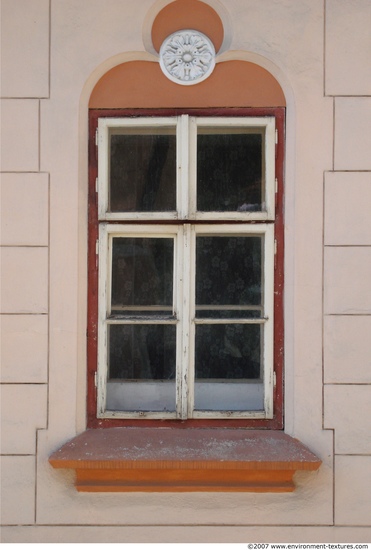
pixel 53 53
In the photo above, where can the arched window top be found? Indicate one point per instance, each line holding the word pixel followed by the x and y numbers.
pixel 141 84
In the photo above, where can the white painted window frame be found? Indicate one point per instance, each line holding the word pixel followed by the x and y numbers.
pixel 106 233
pixel 267 320
pixel 267 125
pixel 184 235
pixel 186 128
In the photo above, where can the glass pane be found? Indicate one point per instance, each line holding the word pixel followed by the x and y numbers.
pixel 141 396
pixel 142 352
pixel 228 368
pixel 230 351
pixel 239 395
pixel 142 171
pixel 142 276
pixel 229 277
pixel 230 170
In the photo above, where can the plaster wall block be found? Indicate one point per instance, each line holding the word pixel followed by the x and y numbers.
pixel 347 208
pixel 25 48
pixel 23 411
pixel 273 37
pixel 347 410
pixel 24 275
pixel 347 280
pixel 24 348
pixel 24 209
pixel 20 135
pixel 348 47
pixel 73 25
pixel 352 133
pixel 193 534
pixel 17 490
pixel 347 349
pixel 352 495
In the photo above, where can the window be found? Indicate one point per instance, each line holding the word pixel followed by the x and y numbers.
pixel 185 317
pixel 184 314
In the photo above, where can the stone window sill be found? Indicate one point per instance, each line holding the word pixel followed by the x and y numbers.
pixel 179 459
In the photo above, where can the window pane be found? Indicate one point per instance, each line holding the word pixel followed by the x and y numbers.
pixel 217 395
pixel 142 352
pixel 141 368
pixel 142 276
pixel 229 277
pixel 230 170
pixel 230 351
pixel 151 396
pixel 228 361
pixel 142 171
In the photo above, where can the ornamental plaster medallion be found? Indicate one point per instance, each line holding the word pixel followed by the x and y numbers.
pixel 187 57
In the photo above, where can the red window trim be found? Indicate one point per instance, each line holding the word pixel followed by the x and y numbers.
pixel 92 420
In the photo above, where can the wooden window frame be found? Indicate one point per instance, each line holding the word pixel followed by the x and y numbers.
pixel 276 422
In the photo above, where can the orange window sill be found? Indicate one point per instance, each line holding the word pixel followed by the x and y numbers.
pixel 184 460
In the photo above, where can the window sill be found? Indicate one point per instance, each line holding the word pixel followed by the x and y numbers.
pixel 184 460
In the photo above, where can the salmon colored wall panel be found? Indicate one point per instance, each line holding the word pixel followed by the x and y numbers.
pixel 141 84
pixel 187 14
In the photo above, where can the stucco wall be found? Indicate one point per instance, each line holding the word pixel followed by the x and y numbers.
pixel 53 53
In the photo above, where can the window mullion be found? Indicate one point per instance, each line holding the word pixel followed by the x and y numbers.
pixel 184 382
pixel 104 257
pixel 191 293
pixel 183 166
pixel 103 167
pixel 268 283
pixel 192 182
pixel 269 156
pixel 179 312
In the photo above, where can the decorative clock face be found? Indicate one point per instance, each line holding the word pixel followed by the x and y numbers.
pixel 187 57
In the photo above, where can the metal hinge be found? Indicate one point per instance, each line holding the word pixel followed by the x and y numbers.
pixel 96 253
pixel 274 378
pixel 95 379
pixel 96 185
pixel 276 192
pixel 275 253
pixel 96 137
pixel 276 137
